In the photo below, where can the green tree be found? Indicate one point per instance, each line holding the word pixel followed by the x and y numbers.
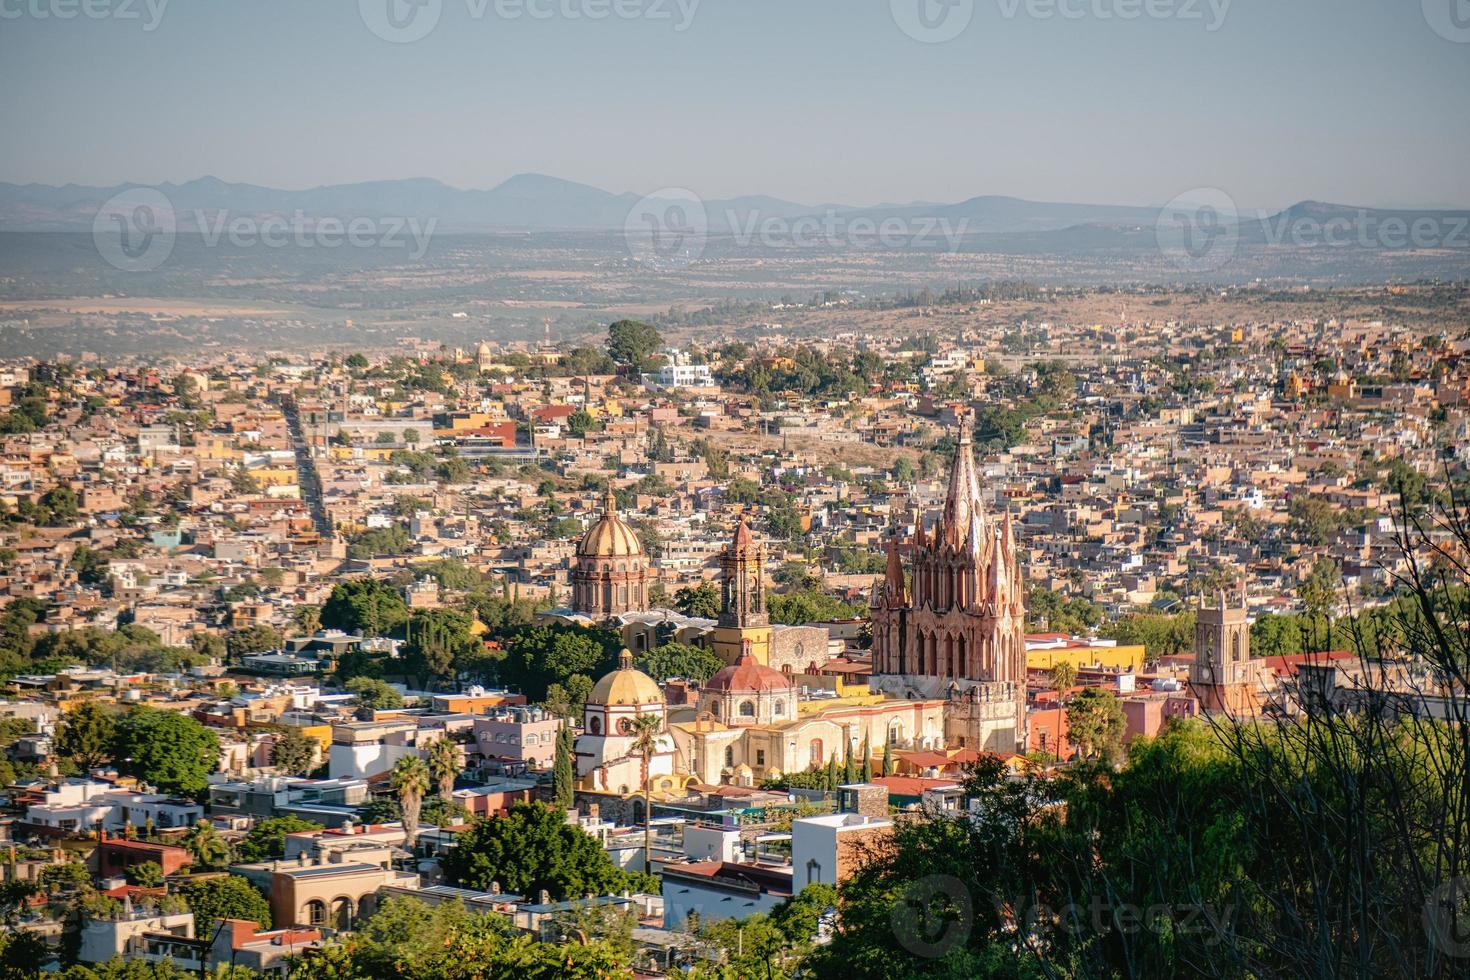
pixel 808 606
pixel 294 753
pixel 438 640
pixel 209 850
pixel 267 838
pixel 168 750
pixel 225 897
pixel 564 772
pixel 252 639
pixel 1095 723
pixel 374 694
pixel 530 849
pixel 145 874
pixel 680 660
pixel 632 343
pixel 87 735
pixel 365 606
pixel 539 656
pixel 703 600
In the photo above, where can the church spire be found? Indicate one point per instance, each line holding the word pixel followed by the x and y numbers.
pixel 895 592
pixel 963 509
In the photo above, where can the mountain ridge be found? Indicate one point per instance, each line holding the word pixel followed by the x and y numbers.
pixel 530 202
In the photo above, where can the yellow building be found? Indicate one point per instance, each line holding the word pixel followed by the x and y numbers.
pixel 1121 657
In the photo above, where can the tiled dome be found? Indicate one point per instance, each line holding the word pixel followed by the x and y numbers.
pixel 610 537
pixel 748 675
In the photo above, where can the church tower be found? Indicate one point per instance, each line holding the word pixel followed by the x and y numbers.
pixel 1223 676
pixel 956 628
pixel 743 625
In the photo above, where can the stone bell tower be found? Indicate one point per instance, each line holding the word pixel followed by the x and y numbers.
pixel 1223 676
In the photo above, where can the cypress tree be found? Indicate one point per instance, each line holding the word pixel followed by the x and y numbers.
pixel 865 770
pixel 888 762
pixel 563 773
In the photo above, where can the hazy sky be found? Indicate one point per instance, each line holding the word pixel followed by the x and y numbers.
pixel 1353 101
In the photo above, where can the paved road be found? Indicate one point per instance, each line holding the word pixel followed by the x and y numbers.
pixel 306 475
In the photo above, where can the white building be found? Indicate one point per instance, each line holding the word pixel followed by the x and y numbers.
pixel 81 805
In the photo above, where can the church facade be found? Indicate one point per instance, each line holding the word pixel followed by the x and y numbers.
pixel 952 625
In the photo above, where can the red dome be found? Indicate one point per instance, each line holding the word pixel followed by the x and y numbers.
pixel 749 675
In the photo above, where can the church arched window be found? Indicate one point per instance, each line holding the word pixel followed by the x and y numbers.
pixel 594 725
pixel 747 709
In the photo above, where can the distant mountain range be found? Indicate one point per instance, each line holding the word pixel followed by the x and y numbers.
pixel 535 203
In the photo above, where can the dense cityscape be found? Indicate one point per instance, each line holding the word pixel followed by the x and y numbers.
pixel 641 644
pixel 734 490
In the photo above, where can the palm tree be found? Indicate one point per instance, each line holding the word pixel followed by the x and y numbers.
pixel 645 732
pixel 411 779
pixel 444 766
pixel 206 846
pixel 1063 676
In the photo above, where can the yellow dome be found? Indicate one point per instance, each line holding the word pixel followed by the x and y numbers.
pixel 610 537
pixel 627 685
